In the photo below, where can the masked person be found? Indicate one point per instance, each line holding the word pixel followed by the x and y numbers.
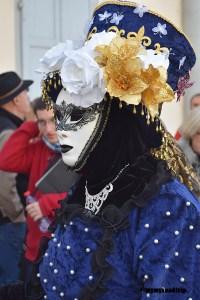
pixel 130 228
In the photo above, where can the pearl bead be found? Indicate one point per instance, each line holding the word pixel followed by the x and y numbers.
pixel 87 250
pixel 146 225
pixel 71 223
pixel 65 225
pixel 198 247
pixel 45 280
pixel 51 264
pixel 54 288
pixel 75 298
pixel 146 276
pixel 72 272
pixel 166 266
pixel 176 253
pixel 62 294
pixel 86 229
pixel 148 295
pixel 55 271
pixel 189 298
pixel 191 227
pixel 156 241
pixel 53 235
pixel 140 256
pixel 168 213
pixel 54 240
pixel 58 245
pixel 90 277
pixel 68 247
pixel 45 296
pixel 176 232
pixel 188 203
pixel 46 254
pixel 182 279
pixel 38 275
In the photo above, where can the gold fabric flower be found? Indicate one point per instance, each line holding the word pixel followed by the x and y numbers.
pixel 158 90
pixel 122 69
pixel 126 78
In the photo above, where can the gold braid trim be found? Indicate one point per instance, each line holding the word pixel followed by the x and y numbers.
pixel 177 162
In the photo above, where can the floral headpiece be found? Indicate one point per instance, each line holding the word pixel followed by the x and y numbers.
pixel 131 53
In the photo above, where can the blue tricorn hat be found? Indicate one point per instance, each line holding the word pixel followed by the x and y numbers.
pixel 126 18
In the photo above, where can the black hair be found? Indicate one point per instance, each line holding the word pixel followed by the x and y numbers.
pixel 38 104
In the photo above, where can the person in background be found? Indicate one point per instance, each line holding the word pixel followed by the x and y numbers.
pixel 190 139
pixel 30 150
pixel 194 102
pixel 14 108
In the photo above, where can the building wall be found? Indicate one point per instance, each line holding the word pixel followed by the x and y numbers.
pixel 7 35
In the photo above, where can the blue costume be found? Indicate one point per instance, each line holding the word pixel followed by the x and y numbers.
pixel 160 249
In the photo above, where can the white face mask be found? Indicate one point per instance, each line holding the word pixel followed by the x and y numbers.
pixel 75 127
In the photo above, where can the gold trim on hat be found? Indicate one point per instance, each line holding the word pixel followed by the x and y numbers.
pixel 134 4
pixel 12 91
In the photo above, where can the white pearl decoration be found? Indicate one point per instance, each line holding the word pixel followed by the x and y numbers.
pixel 176 232
pixel 166 266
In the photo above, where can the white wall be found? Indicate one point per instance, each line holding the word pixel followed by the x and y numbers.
pixel 7 35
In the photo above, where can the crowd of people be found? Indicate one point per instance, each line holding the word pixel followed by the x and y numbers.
pixel 29 145
pixel 129 228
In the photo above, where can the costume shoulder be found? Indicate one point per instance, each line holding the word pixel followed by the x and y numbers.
pixel 167 243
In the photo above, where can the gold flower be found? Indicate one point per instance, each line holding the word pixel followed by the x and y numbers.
pixel 158 90
pixel 126 77
pixel 122 69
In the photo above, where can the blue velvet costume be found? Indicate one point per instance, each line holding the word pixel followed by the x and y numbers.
pixel 161 248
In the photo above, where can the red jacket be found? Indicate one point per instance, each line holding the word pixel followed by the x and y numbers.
pixel 20 156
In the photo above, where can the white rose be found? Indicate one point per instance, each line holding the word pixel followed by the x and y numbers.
pixel 101 38
pixel 54 57
pixel 82 78
pixel 156 60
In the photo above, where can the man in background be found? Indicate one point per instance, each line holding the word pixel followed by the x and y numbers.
pixel 14 108
pixel 194 102
pixel 30 150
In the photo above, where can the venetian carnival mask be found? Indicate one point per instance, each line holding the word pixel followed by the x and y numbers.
pixel 75 127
